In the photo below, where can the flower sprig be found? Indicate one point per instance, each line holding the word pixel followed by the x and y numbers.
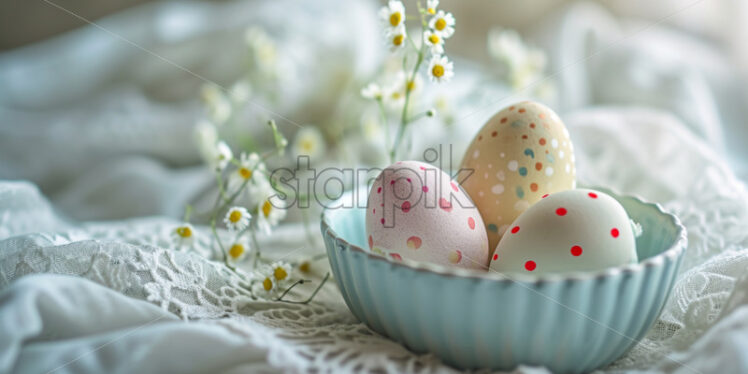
pixel 521 66
pixel 247 202
pixel 436 26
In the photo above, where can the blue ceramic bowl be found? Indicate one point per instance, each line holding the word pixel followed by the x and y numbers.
pixel 571 322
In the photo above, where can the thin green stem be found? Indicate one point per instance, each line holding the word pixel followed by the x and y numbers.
pixel 404 121
pixel 298 282
pixel 311 297
pixel 214 217
pixel 187 212
pixel 256 245
pixel 219 181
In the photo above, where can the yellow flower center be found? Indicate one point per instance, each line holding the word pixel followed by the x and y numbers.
pixel 437 71
pixel 184 231
pixel 280 273
pixel 411 85
pixel 267 284
pixel 395 95
pixel 431 11
pixel 235 216
pixel 266 207
pixel 236 251
pixel 307 145
pixel 434 39
pixel 440 24
pixel 245 173
pixel 395 18
pixel 305 267
pixel 398 40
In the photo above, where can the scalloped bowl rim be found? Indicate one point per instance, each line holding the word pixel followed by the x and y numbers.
pixel 673 251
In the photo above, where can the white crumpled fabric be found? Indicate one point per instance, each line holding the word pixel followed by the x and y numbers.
pixel 90 282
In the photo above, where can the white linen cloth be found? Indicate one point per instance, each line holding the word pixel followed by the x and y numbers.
pixel 104 129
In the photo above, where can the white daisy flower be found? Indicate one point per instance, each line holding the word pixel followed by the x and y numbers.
pixel 396 38
pixel 309 142
pixel 237 218
pixel 206 137
pixel 394 95
pixel 265 286
pixel 249 166
pixel 219 106
pixel 305 267
pixel 281 272
pixel 263 49
pixel 240 91
pixel 270 210
pixel 434 41
pixel 443 23
pixel 522 64
pixel 372 91
pixel 393 14
pixel 414 85
pixel 431 6
pixel 238 250
pixel 440 69
pixel 223 155
pixel 184 235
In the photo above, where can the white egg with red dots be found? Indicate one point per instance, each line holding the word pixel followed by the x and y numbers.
pixel 567 231
pixel 520 154
pixel 416 211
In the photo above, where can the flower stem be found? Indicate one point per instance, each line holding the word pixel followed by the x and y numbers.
pixel 256 245
pixel 311 297
pixel 214 217
pixel 408 78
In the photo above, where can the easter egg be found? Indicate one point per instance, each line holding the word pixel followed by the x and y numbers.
pixel 573 230
pixel 522 153
pixel 415 211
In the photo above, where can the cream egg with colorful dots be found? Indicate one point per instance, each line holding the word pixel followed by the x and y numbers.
pixel 520 154
pixel 416 211
pixel 573 230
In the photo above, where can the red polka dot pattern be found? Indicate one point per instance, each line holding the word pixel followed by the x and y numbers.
pixel 614 232
pixel 471 223
pixel 425 189
pixel 576 250
pixel 371 242
pixel 454 187
pixel 413 242
pixel 515 229
pixel 561 211
pixel 530 265
pixel 544 196
pixel 445 205
pixel 592 195
pixel 405 207
pixel 495 256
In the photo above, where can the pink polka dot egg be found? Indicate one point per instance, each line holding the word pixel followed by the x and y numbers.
pixel 568 231
pixel 416 211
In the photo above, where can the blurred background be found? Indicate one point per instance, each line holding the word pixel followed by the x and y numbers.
pixel 103 117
